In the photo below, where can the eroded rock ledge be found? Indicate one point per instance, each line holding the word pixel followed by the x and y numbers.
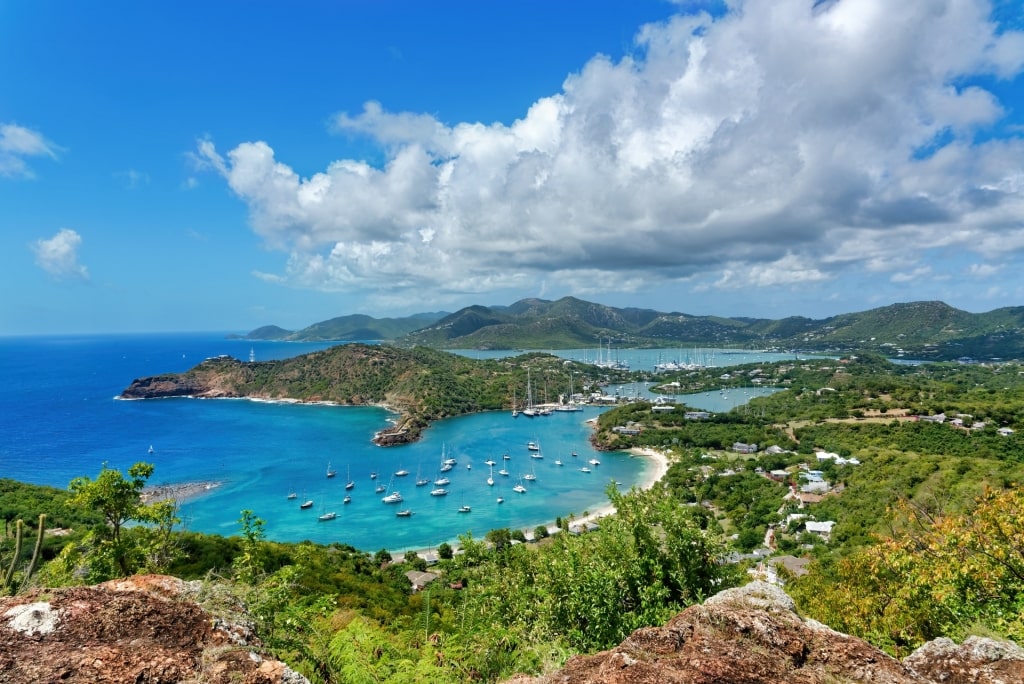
pixel 753 635
pixel 146 628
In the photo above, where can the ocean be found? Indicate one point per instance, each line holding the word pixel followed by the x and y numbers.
pixel 60 418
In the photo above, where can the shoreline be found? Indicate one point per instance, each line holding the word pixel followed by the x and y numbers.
pixel 657 470
pixel 659 464
pixel 178 492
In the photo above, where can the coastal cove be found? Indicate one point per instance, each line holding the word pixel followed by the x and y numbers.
pixel 60 420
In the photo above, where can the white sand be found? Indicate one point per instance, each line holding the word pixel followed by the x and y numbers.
pixel 657 469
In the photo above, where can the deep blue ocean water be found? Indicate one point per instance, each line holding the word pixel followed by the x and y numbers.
pixel 59 418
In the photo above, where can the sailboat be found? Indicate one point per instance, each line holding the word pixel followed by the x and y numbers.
pixel 347 499
pixel 349 482
pixel 519 488
pixel 394 496
pixel 308 503
pixel 330 471
pixel 515 411
pixel 529 411
pixel 421 481
pixel 324 517
pixel 490 477
pixel 531 475
pixel 292 494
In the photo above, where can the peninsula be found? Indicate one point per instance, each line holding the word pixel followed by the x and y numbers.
pixel 419 384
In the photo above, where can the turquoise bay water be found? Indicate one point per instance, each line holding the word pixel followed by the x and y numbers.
pixel 59 419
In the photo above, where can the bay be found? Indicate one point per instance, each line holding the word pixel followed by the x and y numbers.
pixel 60 419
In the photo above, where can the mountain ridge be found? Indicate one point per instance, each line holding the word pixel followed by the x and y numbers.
pixel 931 330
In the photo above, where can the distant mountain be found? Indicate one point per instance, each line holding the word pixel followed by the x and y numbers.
pixel 920 330
pixel 347 328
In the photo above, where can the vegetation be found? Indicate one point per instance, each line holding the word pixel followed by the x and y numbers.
pixel 927 538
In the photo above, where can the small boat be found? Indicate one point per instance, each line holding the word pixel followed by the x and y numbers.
pixel 594 462
pixel 469 466
pixel 530 476
pixel 445 467
pixel 505 457
pixel 501 500
pixel 440 491
pixel 422 481
pixel 490 462
pixel 584 469
pixel 292 495
pixel 450 461
pixel 393 497
pixel 464 508
pixel 536 454
pixel 557 462
pixel 503 472
pixel 381 488
pixel 574 454
pixel 331 472
pixel 347 499
pixel 350 484
pixel 404 513
pixel 306 504
pixel 327 516
pixel 401 473
pixel 373 476
pixel 532 446
pixel 150 448
pixel 442 481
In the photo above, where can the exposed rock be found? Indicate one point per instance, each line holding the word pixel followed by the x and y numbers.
pixel 976 661
pixel 146 629
pixel 753 635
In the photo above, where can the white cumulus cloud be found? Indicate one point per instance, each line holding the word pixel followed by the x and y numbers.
pixel 781 144
pixel 58 255
pixel 17 144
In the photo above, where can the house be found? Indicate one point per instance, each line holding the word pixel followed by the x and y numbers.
pixel 1005 431
pixel 741 448
pixel 815 487
pixel 823 529
pixel 418 579
pixel 696 415
pixel 779 475
pixel 663 407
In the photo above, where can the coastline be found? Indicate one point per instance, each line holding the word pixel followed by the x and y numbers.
pixel 658 469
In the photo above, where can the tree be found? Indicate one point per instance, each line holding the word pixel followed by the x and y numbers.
pixel 444 551
pixel 119 500
pixel 248 562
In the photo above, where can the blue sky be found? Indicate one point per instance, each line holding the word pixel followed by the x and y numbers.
pixel 221 166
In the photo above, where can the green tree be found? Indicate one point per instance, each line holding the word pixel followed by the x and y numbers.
pixel 115 550
pixel 248 563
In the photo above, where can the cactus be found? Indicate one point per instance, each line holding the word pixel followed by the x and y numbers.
pixel 8 579
pixel 14 559
pixel 35 551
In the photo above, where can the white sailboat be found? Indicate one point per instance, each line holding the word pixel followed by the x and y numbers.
pixel 529 411
pixel 490 477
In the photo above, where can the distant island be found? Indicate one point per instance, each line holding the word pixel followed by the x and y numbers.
pixel 928 330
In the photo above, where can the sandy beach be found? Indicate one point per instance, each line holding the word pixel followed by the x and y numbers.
pixel 656 471
pixel 178 492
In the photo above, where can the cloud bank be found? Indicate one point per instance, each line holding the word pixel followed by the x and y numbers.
pixel 58 255
pixel 783 144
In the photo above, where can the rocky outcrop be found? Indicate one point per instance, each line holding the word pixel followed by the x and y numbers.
pixel 754 635
pixel 146 628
